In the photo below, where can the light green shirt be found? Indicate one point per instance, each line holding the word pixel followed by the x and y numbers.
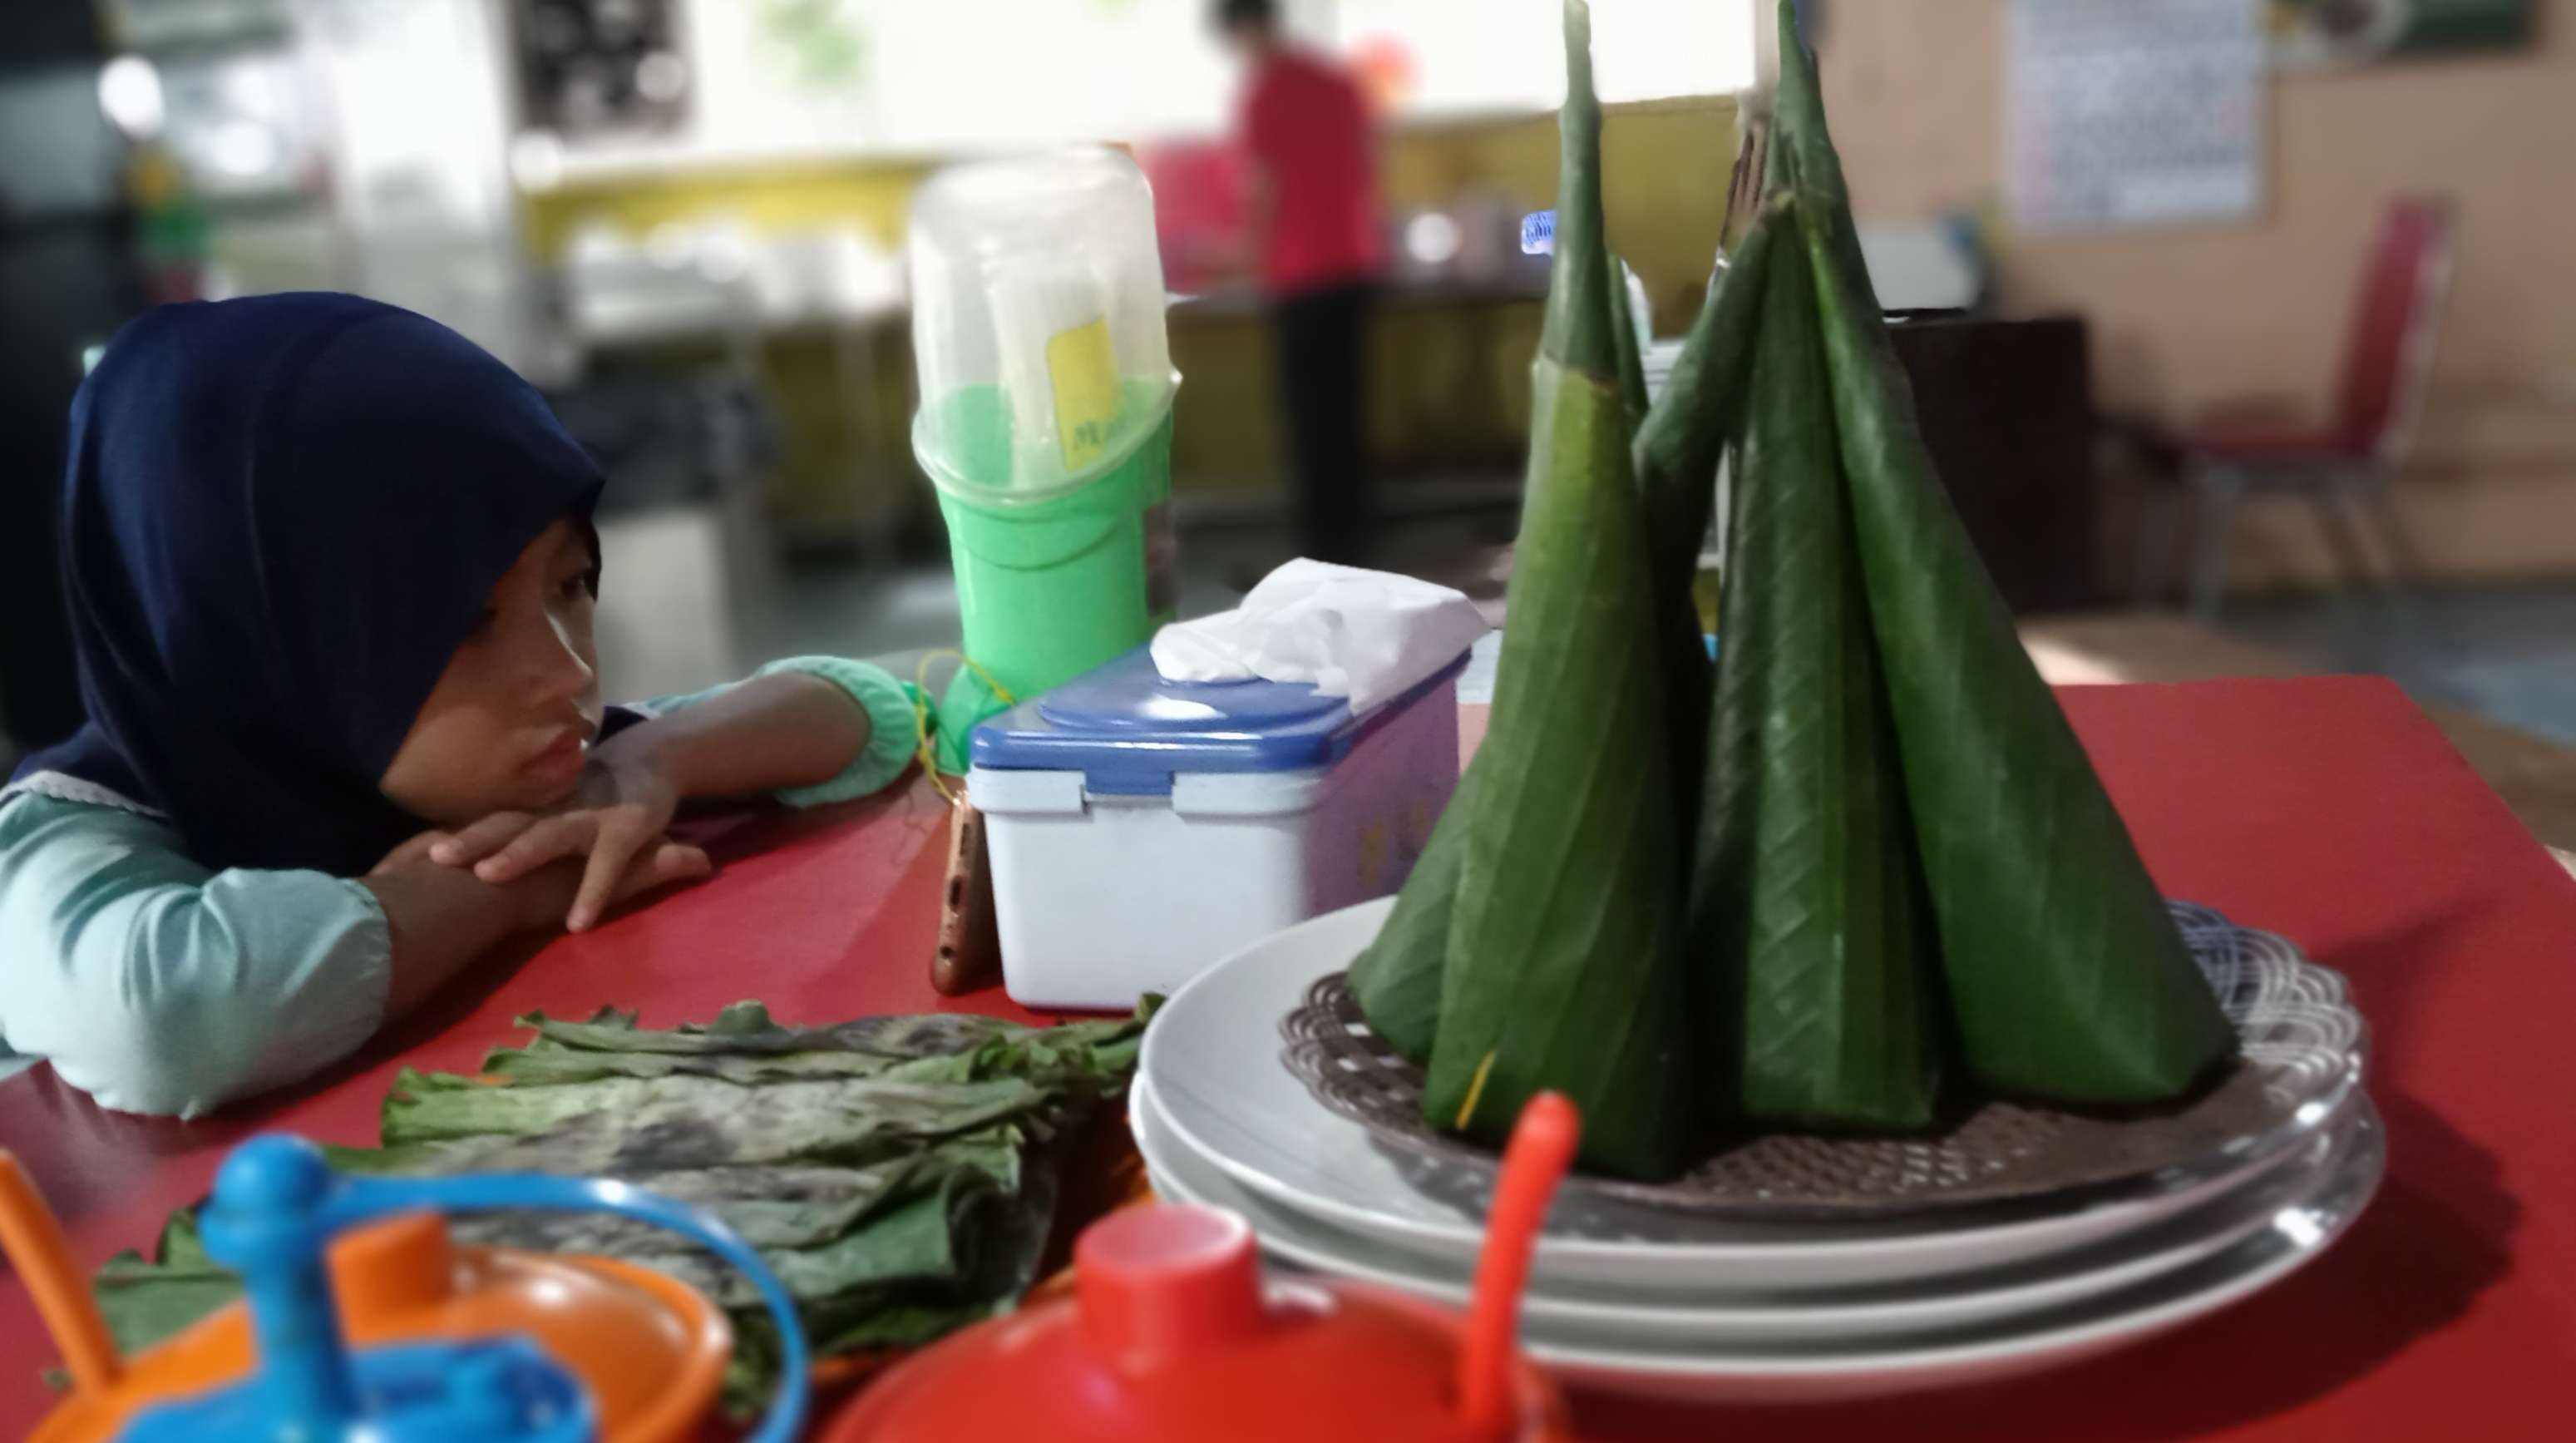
pixel 159 986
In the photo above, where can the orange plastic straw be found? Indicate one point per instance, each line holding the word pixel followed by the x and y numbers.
pixel 34 1242
pixel 1541 1150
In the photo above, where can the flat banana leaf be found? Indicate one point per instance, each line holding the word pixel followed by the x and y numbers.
pixel 2067 977
pixel 1563 964
pixel 772 1207
pixel 913 1049
pixel 745 1029
pixel 916 1243
pixel 1676 455
pixel 1397 980
pixel 897 1205
pixel 1809 893
pixel 558 1065
pixel 846 1120
pixel 928 1238
pixel 147 1300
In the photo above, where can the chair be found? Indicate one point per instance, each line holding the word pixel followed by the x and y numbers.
pixel 2343 467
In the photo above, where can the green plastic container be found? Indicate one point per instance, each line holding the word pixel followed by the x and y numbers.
pixel 1046 418
pixel 1052 584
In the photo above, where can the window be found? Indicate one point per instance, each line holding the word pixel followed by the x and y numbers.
pixel 1464 57
pixel 920 78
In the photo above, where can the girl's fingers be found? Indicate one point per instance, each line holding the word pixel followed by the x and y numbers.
pixel 670 863
pixel 659 865
pixel 474 842
pixel 677 862
pixel 617 844
pixel 548 840
pixel 413 851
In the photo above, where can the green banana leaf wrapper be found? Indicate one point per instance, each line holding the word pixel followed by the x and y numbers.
pixel 1809 892
pixel 1396 982
pixel 2067 977
pixel 1562 967
pixel 1676 456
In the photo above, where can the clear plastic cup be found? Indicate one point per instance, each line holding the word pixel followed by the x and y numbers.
pixel 1037 323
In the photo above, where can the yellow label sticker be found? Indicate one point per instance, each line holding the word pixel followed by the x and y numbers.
pixel 1084 372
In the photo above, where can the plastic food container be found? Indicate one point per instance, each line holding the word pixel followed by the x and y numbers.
pixel 1046 415
pixel 1143 829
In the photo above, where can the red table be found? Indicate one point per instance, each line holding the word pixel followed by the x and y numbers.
pixel 2329 810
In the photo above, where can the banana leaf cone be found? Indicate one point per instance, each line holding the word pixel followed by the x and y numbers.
pixel 2067 978
pixel 1809 900
pixel 1397 980
pixel 1676 454
pixel 1564 969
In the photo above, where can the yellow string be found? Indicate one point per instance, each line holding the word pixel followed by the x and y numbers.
pixel 1475 1090
pixel 922 748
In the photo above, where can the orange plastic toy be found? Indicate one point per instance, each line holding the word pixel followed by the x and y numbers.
pixel 650 1350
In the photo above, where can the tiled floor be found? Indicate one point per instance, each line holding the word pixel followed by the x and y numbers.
pixel 2506 654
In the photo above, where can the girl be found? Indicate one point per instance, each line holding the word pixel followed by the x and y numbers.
pixel 331 572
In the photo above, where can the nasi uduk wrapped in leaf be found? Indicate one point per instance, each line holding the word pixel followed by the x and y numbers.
pixel 1819 943
pixel 2067 977
pixel 1563 956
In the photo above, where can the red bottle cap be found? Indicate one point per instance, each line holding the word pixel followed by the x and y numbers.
pixel 1173 1336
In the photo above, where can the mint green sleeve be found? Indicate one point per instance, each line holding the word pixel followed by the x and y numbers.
pixel 894 721
pixel 157 986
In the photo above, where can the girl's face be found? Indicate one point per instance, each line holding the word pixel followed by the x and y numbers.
pixel 509 722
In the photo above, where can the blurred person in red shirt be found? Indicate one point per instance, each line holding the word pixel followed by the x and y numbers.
pixel 1305 127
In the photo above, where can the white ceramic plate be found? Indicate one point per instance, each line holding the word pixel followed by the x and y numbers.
pixel 1212 1060
pixel 2298 1234
pixel 1723 1319
pixel 1778 1370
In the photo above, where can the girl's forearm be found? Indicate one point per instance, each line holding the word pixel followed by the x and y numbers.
pixel 787 729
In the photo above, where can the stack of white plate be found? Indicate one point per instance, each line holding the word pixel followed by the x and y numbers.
pixel 1669 1303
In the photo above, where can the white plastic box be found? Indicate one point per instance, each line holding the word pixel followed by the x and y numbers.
pixel 1143 830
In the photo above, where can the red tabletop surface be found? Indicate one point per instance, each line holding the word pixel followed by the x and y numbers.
pixel 2329 810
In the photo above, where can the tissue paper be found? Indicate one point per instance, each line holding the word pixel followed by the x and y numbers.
pixel 1367 635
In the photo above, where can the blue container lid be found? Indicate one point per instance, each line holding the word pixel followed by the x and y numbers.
pixel 1128 730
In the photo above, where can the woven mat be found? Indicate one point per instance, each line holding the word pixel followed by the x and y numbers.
pixel 2302 1044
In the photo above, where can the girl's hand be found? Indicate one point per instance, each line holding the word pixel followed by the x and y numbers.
pixel 541 897
pixel 659 863
pixel 544 898
pixel 413 853
pixel 615 819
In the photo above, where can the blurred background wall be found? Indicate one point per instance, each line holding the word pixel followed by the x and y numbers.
pixel 67 278
pixel 2187 322
pixel 1453 362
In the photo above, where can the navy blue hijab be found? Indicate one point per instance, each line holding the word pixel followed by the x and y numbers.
pixel 281 517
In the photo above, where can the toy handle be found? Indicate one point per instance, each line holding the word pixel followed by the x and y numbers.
pixel 362 1199
pixel 1542 1148
pixel 31 1240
